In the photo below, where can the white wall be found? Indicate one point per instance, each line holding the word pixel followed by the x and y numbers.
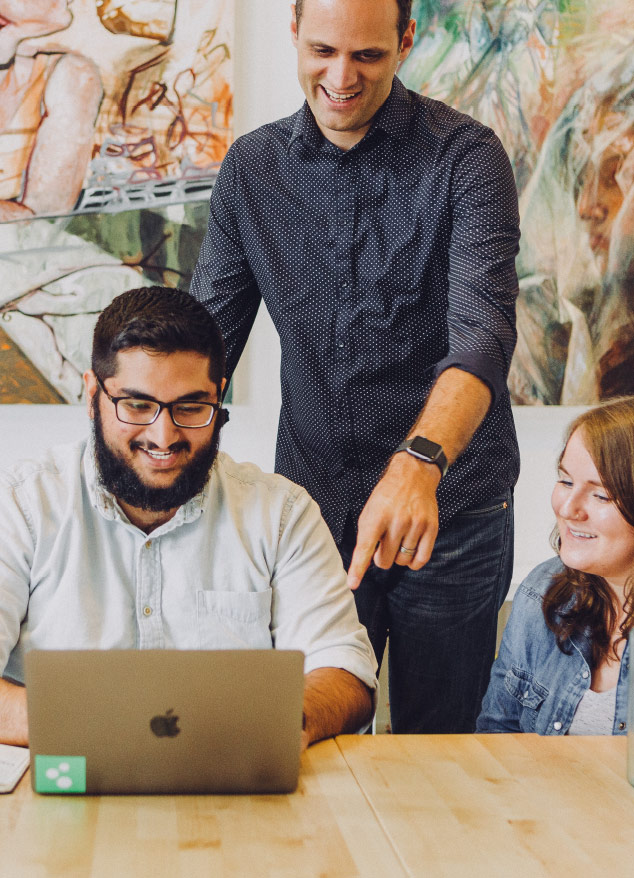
pixel 265 89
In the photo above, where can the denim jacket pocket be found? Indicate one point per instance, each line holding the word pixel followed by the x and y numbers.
pixel 234 620
pixel 530 694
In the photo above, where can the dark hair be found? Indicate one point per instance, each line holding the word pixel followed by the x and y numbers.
pixel 404 15
pixel 157 319
pixel 578 602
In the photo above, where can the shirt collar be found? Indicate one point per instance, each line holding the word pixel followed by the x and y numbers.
pixel 393 118
pixel 106 503
pixel 305 128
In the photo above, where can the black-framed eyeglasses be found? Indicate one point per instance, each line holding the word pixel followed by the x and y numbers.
pixel 188 413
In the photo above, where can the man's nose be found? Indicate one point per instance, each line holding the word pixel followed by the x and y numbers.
pixel 342 73
pixel 163 432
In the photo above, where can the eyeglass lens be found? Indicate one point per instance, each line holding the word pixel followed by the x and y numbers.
pixel 184 414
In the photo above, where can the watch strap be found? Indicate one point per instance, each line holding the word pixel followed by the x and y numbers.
pixel 436 455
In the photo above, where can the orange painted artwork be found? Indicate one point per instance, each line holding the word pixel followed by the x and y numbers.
pixel 107 105
pixel 114 118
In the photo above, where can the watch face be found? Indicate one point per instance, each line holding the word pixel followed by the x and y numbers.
pixel 425 448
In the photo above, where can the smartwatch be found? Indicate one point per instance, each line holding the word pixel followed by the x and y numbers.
pixel 425 449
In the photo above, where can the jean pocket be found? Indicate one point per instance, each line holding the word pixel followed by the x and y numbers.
pixel 492 506
pixel 522 685
pixel 234 620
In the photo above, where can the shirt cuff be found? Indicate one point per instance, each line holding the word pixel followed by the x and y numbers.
pixel 356 665
pixel 479 365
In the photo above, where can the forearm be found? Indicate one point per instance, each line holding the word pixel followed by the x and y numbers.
pixel 402 511
pixel 335 703
pixel 13 721
pixel 454 410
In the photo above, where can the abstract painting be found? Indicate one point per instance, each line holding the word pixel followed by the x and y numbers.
pixel 114 118
pixel 555 80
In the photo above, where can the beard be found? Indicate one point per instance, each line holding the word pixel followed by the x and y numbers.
pixel 121 480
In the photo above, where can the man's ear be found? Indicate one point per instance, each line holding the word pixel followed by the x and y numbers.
pixel 223 384
pixel 91 387
pixel 407 42
pixel 293 25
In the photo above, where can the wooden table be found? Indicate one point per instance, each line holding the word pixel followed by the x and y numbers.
pixel 500 805
pixel 325 828
pixel 455 805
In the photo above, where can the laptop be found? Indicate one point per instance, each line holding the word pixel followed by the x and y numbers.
pixel 164 721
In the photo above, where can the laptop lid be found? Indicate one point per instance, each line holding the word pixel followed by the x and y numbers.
pixel 164 721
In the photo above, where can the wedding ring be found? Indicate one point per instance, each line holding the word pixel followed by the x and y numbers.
pixel 405 551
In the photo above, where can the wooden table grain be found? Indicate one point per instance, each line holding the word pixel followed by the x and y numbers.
pixel 326 828
pixel 500 805
pixel 513 806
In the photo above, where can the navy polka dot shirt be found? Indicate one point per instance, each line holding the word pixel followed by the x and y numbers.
pixel 380 267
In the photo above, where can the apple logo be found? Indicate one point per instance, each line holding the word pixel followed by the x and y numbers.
pixel 165 726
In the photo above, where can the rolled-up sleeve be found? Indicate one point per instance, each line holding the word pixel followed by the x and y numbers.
pixel 482 277
pixel 313 609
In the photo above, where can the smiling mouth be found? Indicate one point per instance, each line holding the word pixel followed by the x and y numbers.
pixel 581 534
pixel 161 459
pixel 337 98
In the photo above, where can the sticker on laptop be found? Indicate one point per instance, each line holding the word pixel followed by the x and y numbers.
pixel 60 774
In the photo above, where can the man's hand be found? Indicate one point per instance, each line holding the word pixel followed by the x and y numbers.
pixel 401 512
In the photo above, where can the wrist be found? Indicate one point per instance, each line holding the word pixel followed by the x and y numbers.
pixel 424 451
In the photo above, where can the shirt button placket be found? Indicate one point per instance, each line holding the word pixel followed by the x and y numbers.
pixel 149 596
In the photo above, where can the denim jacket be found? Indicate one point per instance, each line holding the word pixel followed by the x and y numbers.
pixel 534 686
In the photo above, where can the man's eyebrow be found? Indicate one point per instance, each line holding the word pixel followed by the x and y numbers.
pixel 317 44
pixel 195 395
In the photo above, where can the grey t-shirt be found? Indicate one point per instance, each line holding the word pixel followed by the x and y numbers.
pixel 594 714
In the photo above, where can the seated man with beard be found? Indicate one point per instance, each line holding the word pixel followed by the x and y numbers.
pixel 146 536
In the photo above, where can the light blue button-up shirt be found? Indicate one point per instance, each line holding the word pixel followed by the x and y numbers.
pixel 247 563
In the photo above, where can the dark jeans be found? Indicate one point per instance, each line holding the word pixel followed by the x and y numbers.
pixel 441 620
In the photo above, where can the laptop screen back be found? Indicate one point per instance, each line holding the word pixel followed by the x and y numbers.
pixel 164 721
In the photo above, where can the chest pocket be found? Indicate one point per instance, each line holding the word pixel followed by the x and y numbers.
pixel 234 620
pixel 530 694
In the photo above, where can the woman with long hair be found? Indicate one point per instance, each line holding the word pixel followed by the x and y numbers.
pixel 563 662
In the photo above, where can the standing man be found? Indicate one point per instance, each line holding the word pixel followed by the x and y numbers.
pixel 381 228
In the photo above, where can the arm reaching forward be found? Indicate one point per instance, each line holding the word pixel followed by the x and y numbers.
pixel 335 703
pixel 402 509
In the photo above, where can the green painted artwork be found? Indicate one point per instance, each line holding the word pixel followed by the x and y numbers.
pixel 555 81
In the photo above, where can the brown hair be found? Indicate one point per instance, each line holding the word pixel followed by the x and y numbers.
pixel 404 15
pixel 576 602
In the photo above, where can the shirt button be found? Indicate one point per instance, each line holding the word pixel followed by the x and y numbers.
pixel 340 344
pixel 147 611
pixel 526 694
pixel 148 545
pixel 622 726
pixel 585 675
pixel 557 726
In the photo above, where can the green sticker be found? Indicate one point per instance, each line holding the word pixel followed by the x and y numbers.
pixel 60 774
